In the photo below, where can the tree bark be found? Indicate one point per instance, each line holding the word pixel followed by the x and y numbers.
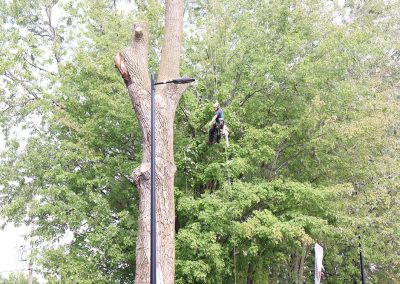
pixel 296 266
pixel 133 66
pixel 250 271
pixel 303 257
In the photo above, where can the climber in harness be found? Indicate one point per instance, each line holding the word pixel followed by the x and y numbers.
pixel 217 124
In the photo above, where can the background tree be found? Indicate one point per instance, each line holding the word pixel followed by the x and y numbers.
pixel 297 84
pixel 72 188
pixel 17 278
pixel 309 91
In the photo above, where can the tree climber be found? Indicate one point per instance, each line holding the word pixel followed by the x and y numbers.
pixel 217 124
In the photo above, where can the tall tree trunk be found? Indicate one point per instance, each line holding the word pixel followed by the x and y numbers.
pixel 133 66
pixel 250 271
pixel 303 258
pixel 296 264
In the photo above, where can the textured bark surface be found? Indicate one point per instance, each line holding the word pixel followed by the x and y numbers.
pixel 133 66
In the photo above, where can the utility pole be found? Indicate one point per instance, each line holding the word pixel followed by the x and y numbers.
pixel 31 244
pixel 30 263
pixel 30 271
pixel 22 257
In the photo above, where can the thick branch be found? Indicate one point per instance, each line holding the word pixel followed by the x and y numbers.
pixel 174 93
pixel 173 33
pixel 132 62
pixel 250 95
pixel 38 67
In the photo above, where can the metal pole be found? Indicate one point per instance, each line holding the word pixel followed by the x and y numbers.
pixel 30 267
pixel 361 261
pixel 153 245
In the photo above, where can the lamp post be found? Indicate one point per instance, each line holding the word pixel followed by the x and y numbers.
pixel 153 226
pixel 360 250
pixel 361 260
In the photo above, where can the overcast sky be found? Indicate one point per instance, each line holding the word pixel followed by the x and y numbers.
pixel 11 240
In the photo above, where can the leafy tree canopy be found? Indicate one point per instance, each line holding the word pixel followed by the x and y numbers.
pixel 309 93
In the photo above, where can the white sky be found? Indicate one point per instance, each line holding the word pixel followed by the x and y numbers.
pixel 11 239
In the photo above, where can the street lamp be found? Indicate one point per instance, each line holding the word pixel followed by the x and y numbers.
pixel 360 250
pixel 175 81
pixel 361 260
pixel 153 231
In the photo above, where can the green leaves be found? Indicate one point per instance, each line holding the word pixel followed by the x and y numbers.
pixel 309 94
pixel 296 85
pixel 261 220
pixel 17 278
pixel 198 259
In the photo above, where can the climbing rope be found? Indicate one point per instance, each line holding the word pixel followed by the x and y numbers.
pixel 226 161
pixel 215 73
pixel 186 175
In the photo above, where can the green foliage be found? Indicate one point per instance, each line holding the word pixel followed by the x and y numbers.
pixel 309 98
pixel 309 94
pixel 73 175
pixel 262 222
pixel 17 278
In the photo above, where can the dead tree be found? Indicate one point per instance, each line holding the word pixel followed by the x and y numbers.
pixel 133 66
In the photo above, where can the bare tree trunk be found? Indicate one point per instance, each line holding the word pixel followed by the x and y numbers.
pixel 133 66
pixel 296 264
pixel 303 257
pixel 250 271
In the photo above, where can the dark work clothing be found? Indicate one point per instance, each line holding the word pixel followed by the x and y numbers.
pixel 217 127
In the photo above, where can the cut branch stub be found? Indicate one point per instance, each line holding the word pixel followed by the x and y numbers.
pixel 120 64
pixel 138 30
pixel 132 62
